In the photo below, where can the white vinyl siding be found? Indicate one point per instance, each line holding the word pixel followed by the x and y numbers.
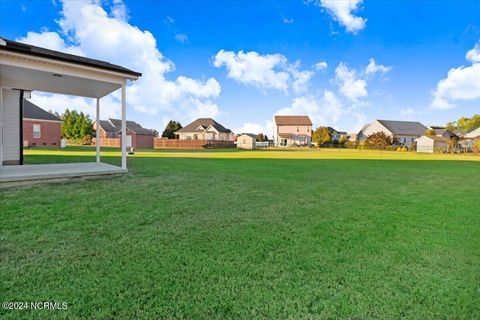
pixel 11 125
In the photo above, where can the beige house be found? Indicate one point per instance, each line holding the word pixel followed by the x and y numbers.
pixel 292 131
pixel 247 141
pixel 405 132
pixel 431 144
pixel 205 129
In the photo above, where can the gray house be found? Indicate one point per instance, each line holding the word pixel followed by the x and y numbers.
pixel 405 132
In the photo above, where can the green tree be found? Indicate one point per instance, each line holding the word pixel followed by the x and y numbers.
pixel 430 133
pixel 261 137
pixel 343 139
pixel 379 140
pixel 465 123
pixel 76 126
pixel 170 129
pixel 321 135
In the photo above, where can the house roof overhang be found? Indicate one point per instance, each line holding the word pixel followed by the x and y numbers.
pixel 37 72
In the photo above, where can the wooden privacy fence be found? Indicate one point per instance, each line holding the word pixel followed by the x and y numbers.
pixel 191 144
pixel 108 142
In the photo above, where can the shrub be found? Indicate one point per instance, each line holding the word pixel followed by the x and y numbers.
pixel 378 140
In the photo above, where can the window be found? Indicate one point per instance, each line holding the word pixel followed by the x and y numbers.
pixel 37 131
pixel 244 141
pixel 308 129
pixel 298 129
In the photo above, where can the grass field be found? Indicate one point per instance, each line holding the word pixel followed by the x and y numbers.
pixel 262 234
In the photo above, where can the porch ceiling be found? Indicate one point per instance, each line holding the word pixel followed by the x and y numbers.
pixel 39 80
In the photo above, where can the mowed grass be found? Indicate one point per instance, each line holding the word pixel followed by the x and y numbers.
pixel 232 234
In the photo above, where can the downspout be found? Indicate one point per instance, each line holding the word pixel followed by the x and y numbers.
pixel 21 127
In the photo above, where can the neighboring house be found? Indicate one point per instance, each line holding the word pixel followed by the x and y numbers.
pixel 444 132
pixel 474 134
pixel 40 128
pixel 140 137
pixel 336 135
pixel 430 144
pixel 292 131
pixel 405 132
pixel 352 137
pixel 247 141
pixel 205 129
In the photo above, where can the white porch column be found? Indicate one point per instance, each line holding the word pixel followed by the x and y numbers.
pixel 97 130
pixel 124 127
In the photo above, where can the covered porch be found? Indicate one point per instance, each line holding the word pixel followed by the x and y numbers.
pixel 25 68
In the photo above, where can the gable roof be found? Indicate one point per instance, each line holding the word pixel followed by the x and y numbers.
pixel 293 121
pixel 251 135
pixel 204 123
pixel 115 126
pixel 32 111
pixel 28 49
pixel 474 133
pixel 435 138
pixel 442 131
pixel 404 127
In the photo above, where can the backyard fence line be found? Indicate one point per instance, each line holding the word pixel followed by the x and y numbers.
pixel 108 142
pixel 191 144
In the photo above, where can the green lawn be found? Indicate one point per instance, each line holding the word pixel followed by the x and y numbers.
pixel 262 234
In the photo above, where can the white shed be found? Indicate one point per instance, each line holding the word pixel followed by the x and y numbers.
pixel 247 141
pixel 431 144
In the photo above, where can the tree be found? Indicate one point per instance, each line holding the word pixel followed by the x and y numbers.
pixel 76 126
pixel 170 129
pixel 430 133
pixel 465 123
pixel 321 135
pixel 343 139
pixel 379 140
pixel 155 132
pixel 452 142
pixel 261 137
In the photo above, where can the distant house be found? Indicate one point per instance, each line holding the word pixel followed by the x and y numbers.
pixel 140 137
pixel 430 144
pixel 292 131
pixel 40 128
pixel 444 132
pixel 205 129
pixel 247 141
pixel 474 134
pixel 336 135
pixel 405 132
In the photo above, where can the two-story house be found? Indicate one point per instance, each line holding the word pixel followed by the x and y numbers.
pixel 292 131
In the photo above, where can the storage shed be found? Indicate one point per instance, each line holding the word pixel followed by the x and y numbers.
pixel 247 141
pixel 431 144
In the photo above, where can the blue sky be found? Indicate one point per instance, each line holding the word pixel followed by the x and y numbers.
pixel 241 62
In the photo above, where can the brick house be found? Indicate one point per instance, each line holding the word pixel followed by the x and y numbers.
pixel 40 128
pixel 140 137
pixel 292 131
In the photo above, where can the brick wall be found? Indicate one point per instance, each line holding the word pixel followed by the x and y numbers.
pixel 50 133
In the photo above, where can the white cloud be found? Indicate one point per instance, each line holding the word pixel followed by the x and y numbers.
pixel 342 11
pixel 325 110
pixel 461 84
pixel 269 71
pixel 93 32
pixel 252 127
pixel 322 65
pixel 373 68
pixel 349 84
pixel 287 20
pixel 474 54
pixel 407 111
pixel 52 41
pixel 182 38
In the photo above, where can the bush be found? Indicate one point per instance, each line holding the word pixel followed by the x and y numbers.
pixel 350 144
